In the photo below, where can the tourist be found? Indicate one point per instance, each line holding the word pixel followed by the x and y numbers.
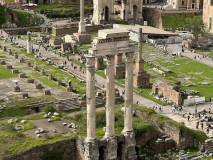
pixel 182 49
pixel 173 109
pixel 207 130
pixel 209 110
pixel 210 99
pixel 197 125
pixel 188 117
pixel 201 125
pixel 159 109
pixel 65 62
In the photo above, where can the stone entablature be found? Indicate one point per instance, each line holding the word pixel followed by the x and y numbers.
pixel 167 91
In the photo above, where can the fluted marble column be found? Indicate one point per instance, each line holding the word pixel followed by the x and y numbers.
pixel 110 97
pixel 81 27
pixel 128 93
pixel 90 86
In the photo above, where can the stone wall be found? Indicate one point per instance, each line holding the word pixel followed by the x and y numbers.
pixel 168 92
pixel 182 136
pixel 22 30
pixel 68 147
pixel 62 1
pixel 207 14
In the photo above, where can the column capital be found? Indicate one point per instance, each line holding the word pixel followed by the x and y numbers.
pixel 90 61
pixel 129 57
pixel 110 59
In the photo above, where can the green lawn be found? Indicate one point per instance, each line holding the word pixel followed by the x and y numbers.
pixel 6 73
pixel 177 21
pixel 2 15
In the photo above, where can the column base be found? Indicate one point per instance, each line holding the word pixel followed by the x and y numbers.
pixel 91 149
pixel 83 38
pixel 141 79
pixel 112 146
pixel 130 152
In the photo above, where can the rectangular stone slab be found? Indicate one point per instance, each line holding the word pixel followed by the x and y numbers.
pixel 113 33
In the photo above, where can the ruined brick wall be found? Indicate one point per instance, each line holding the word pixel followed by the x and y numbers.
pixel 167 92
pixel 54 42
pixel 207 14
pixel 183 137
pixel 68 147
pixel 21 30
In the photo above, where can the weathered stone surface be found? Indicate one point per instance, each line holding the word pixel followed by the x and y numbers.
pixel 8 66
pixel 15 71
pixel 31 80
pixel 38 86
pixel 22 75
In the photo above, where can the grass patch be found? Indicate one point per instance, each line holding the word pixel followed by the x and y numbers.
pixel 6 73
pixel 13 112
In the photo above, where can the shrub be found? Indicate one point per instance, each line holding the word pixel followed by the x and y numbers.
pixel 49 108
pixel 52 155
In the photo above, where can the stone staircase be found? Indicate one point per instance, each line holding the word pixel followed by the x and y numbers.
pixel 209 146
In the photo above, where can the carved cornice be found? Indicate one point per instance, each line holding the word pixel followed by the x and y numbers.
pixel 113 39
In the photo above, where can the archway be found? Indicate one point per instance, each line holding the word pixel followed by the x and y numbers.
pixel 106 14
pixel 102 153
pixel 120 151
pixel 135 11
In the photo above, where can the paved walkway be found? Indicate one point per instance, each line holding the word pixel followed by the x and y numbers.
pixel 187 53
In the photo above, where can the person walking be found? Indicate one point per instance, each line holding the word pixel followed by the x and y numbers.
pixel 188 117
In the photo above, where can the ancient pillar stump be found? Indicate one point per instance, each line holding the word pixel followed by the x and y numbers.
pixel 22 60
pixel 2 62
pixel 59 83
pixel 16 55
pixel 50 77
pixel 28 64
pixel 31 80
pixel 47 92
pixel 22 75
pixel 15 71
pixel 35 68
pixel 69 89
pixel 10 52
pixel 16 88
pixel 8 66
pixel 5 49
pixel 43 72
pixel 25 96
pixel 38 86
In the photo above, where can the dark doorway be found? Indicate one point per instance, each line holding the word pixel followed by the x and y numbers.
pixel 106 14
pixel 102 153
pixel 135 12
pixel 37 109
pixel 120 151
pixel 36 1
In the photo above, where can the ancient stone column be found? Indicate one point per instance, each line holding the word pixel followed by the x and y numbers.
pixel 110 97
pixel 29 45
pixel 81 27
pixel 91 144
pixel 128 92
pixel 91 112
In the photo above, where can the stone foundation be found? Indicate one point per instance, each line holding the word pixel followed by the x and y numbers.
pixel 2 63
pixel 22 75
pixel 47 92
pixel 141 79
pixel 8 67
pixel 30 80
pixel 38 86
pixel 16 89
pixel 69 89
pixel 83 38
pixel 120 70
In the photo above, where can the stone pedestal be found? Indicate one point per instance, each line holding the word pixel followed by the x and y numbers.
pixel 22 60
pixel 29 45
pixel 91 150
pixel 16 88
pixel 2 62
pixel 74 48
pixel 141 78
pixel 16 56
pixel 43 72
pixel 10 52
pixel 35 68
pixel 130 144
pixel 5 49
pixel 119 66
pixel 30 80
pixel 99 62
pixel 47 92
pixel 15 71
pixel 38 86
pixel 25 95
pixel 59 83
pixel 22 75
pixel 8 66
pixel 112 146
pixel 83 38
pixel 50 77
pixel 28 64
pixel 69 89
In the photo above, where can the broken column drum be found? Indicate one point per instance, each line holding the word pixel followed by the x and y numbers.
pixel 29 45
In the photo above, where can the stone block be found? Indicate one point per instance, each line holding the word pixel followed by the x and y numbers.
pixel 16 56
pixel 16 89
pixel 43 72
pixel 59 83
pixel 38 86
pixel 22 75
pixel 69 89
pixel 31 80
pixel 28 64
pixel 141 79
pixel 15 71
pixel 47 92
pixel 10 52
pixel 8 66
pixel 50 77
pixel 74 48
pixel 5 49
pixel 35 68
pixel 25 95
pixel 22 60
pixel 2 62
pixel 83 38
